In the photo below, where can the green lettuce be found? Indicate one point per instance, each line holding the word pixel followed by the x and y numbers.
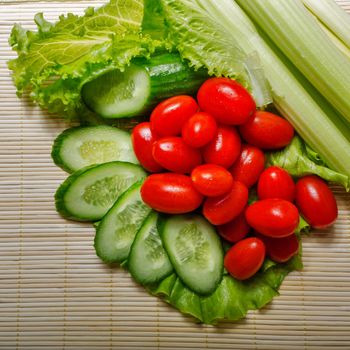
pixel 300 160
pixel 232 299
pixel 204 42
pixel 55 61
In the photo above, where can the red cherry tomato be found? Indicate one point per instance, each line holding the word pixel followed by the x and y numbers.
pixel 174 154
pixel 222 209
pixel 245 258
pixel 275 182
pixel 316 201
pixel 170 193
pixel 169 116
pixel 234 230
pixel 211 180
pixel 199 129
pixel 142 141
pixel 267 130
pixel 226 100
pixel 249 165
pixel 281 249
pixel 273 217
pixel 224 149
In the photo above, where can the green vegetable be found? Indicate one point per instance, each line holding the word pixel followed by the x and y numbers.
pixel 57 60
pixel 297 34
pixel 89 193
pixel 136 90
pixel 232 299
pixel 299 161
pixel 332 16
pixel 194 250
pixel 79 147
pixel 148 262
pixel 317 123
pixel 117 229
pixel 202 40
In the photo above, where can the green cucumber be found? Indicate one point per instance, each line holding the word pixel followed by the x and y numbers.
pixel 78 147
pixel 195 251
pixel 136 90
pixel 117 230
pixel 148 262
pixel 89 193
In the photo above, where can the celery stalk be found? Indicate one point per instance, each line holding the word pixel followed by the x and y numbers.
pixel 297 34
pixel 336 41
pixel 332 16
pixel 316 122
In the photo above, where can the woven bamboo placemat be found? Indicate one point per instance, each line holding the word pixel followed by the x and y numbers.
pixel 56 294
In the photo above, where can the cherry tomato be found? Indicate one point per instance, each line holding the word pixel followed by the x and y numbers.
pixel 222 209
pixel 234 230
pixel 226 100
pixel 316 201
pixel 224 149
pixel 142 141
pixel 267 130
pixel 170 193
pixel 245 258
pixel 281 249
pixel 273 217
pixel 211 180
pixel 169 116
pixel 174 154
pixel 199 129
pixel 249 165
pixel 275 182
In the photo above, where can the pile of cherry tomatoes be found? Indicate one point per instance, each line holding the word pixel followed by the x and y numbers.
pixel 210 154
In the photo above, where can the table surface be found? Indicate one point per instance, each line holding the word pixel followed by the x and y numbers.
pixel 56 294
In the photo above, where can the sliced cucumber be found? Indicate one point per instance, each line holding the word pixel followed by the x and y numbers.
pixel 194 250
pixel 88 194
pixel 118 94
pixel 148 262
pixel 117 229
pixel 79 147
pixel 137 89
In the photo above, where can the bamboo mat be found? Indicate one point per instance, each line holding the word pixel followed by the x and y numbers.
pixel 56 294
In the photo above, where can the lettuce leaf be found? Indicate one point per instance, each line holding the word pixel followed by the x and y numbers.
pixel 55 61
pixel 232 299
pixel 202 40
pixel 300 160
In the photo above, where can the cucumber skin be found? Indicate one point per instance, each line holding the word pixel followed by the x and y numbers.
pixel 59 195
pixel 56 147
pixel 121 197
pixel 57 144
pixel 171 76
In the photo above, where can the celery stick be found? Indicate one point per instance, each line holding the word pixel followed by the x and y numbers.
pixel 297 34
pixel 336 41
pixel 332 16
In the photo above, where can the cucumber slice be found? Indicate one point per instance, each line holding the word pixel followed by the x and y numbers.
pixel 136 90
pixel 78 147
pixel 117 94
pixel 88 194
pixel 148 262
pixel 118 228
pixel 195 251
